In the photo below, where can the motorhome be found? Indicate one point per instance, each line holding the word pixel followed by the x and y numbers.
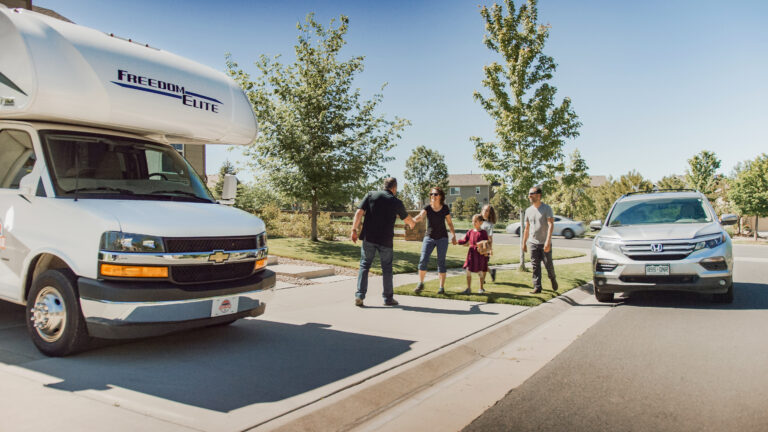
pixel 106 231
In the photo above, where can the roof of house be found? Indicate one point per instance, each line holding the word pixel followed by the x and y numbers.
pixel 50 13
pixel 467 180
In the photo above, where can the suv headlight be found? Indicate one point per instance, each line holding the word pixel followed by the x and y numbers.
pixel 117 241
pixel 711 242
pixel 610 245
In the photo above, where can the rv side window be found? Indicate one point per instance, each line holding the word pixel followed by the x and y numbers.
pixel 16 157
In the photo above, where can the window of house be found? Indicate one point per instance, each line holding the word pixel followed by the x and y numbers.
pixel 455 191
pixel 16 157
pixel 477 190
pixel 179 148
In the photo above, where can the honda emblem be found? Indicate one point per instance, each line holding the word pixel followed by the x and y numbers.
pixel 657 247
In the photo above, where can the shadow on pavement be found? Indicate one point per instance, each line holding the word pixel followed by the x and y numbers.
pixel 473 310
pixel 747 296
pixel 225 368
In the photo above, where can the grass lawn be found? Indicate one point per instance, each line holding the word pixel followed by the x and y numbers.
pixel 406 259
pixel 511 286
pixel 466 225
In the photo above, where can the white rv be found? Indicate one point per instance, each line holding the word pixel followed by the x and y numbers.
pixel 106 231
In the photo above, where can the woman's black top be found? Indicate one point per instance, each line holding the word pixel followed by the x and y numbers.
pixel 436 222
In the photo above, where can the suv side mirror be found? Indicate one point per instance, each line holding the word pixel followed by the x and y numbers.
pixel 596 225
pixel 728 219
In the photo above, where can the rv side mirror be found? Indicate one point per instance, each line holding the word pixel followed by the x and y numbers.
pixel 229 190
pixel 728 219
pixel 596 225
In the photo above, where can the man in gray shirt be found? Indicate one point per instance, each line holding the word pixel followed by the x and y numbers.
pixel 537 238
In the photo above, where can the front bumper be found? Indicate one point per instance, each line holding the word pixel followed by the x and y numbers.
pixel 686 274
pixel 117 310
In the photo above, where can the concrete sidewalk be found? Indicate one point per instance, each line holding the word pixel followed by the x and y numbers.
pixel 287 369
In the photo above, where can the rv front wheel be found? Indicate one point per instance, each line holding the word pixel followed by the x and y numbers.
pixel 54 319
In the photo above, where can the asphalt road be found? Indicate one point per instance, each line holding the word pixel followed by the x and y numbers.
pixel 657 361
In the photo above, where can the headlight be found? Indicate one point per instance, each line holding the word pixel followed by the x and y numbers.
pixel 711 242
pixel 611 245
pixel 116 241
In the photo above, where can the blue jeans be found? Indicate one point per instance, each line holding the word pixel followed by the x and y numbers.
pixel 427 246
pixel 367 253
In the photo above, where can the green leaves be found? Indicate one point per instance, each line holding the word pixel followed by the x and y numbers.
pixel 425 169
pixel 749 191
pixel 701 172
pixel 531 127
pixel 320 142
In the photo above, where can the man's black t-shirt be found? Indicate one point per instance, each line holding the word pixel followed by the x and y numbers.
pixel 381 210
pixel 436 222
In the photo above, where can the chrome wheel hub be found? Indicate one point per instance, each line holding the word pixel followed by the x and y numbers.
pixel 49 315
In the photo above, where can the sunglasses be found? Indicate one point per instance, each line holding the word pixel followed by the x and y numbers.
pixel 434 194
pixel 532 193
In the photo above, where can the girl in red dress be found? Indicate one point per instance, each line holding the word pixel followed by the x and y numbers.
pixel 476 262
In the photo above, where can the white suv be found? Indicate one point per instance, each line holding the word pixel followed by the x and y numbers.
pixel 663 240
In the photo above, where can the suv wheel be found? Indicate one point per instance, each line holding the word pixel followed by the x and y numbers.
pixel 601 296
pixel 726 297
pixel 568 233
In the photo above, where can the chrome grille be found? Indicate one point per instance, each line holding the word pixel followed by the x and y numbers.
pixel 671 250
pixel 210 244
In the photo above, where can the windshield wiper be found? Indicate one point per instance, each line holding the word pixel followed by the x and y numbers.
pixel 102 189
pixel 179 192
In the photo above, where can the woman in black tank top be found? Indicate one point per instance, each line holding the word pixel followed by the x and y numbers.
pixel 437 214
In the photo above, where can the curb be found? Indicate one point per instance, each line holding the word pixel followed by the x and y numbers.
pixel 341 412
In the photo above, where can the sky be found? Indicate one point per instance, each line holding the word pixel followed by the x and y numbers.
pixel 653 82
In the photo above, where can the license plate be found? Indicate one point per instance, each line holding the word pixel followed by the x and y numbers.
pixel 224 306
pixel 657 269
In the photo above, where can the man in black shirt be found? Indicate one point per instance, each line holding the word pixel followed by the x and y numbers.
pixel 381 209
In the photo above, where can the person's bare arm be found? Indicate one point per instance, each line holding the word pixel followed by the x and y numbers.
pixel 550 229
pixel 409 221
pixel 356 224
pixel 449 221
pixel 525 237
pixel 420 216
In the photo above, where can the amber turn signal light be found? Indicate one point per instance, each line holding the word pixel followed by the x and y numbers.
pixel 260 264
pixel 133 271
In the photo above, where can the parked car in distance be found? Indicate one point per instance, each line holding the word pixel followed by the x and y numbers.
pixel 565 227
pixel 663 240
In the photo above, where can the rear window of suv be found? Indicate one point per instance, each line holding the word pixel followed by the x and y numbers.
pixel 659 211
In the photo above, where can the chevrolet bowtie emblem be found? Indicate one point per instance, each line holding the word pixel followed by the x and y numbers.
pixel 218 257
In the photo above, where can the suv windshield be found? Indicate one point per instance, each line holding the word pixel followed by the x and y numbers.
pixel 659 211
pixel 99 166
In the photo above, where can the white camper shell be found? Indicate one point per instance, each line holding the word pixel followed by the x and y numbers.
pixel 105 230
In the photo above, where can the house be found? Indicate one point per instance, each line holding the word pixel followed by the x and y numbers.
pixel 468 185
pixel 194 153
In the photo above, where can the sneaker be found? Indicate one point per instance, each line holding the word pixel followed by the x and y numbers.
pixel 358 302
pixel 482 291
pixel 441 291
pixel 554 285
pixel 466 292
pixel 493 275
pixel 390 302
pixel 536 291
pixel 419 288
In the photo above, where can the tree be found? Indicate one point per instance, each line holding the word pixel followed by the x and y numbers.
pixel 570 197
pixel 471 207
pixel 502 204
pixel 671 182
pixel 457 208
pixel 530 127
pixel 424 170
pixel 319 142
pixel 749 191
pixel 605 195
pixel 701 172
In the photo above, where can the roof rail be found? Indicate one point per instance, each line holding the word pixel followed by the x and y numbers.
pixel 662 190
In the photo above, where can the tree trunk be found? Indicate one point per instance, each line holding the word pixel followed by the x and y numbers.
pixel 522 229
pixel 756 236
pixel 313 216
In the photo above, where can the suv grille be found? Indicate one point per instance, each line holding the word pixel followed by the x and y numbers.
pixel 677 279
pixel 211 272
pixel 670 250
pixel 210 244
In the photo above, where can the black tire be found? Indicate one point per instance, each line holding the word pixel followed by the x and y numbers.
pixel 601 296
pixel 517 231
pixel 726 297
pixel 568 233
pixel 54 319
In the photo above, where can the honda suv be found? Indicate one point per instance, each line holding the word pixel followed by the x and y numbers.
pixel 663 240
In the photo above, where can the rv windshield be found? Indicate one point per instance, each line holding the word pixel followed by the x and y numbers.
pixel 100 166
